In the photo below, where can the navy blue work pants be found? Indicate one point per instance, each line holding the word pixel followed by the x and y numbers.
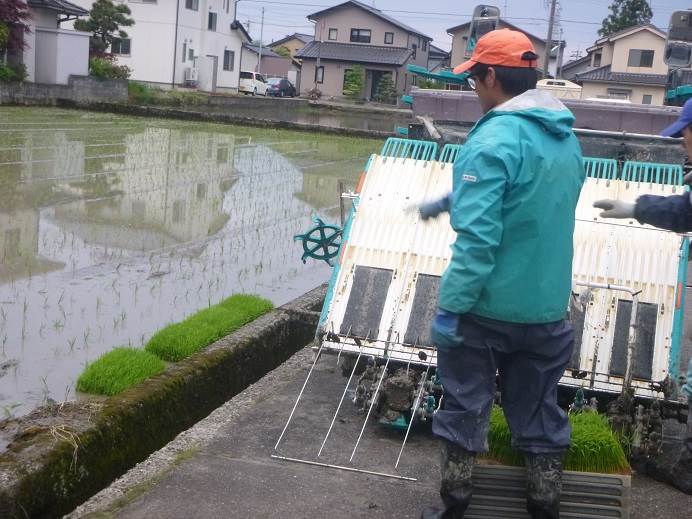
pixel 530 360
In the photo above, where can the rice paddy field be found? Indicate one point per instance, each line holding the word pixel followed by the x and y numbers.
pixel 113 227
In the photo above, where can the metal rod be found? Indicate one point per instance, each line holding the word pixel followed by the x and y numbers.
pixel 372 404
pixel 290 417
pixel 340 467
pixel 415 408
pixel 338 408
pixel 631 342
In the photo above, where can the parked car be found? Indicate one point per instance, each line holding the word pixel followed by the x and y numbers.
pixel 253 83
pixel 277 86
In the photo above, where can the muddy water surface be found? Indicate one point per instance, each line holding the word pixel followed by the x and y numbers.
pixel 113 227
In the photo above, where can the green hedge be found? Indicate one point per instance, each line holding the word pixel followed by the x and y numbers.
pixel 595 447
pixel 180 340
pixel 118 370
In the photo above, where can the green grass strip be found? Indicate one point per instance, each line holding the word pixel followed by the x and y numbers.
pixel 180 340
pixel 595 447
pixel 118 370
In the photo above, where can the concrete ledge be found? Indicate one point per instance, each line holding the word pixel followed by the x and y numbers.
pixel 51 466
pixel 79 89
pixel 226 118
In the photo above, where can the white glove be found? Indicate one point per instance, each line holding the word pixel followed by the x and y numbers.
pixel 615 208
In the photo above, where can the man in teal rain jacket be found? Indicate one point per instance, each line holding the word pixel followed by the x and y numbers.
pixel 504 296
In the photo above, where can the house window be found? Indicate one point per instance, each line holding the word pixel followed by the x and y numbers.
pixel 360 35
pixel 319 75
pixel 646 100
pixel 597 59
pixel 211 22
pixel 191 54
pixel 425 45
pixel 121 46
pixel 343 88
pixel 192 4
pixel 184 52
pixel 619 93
pixel 228 59
pixel 641 58
pixel 333 34
pixel 201 191
pixel 389 38
pixel 414 47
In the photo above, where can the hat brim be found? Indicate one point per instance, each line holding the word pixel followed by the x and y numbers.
pixel 464 67
pixel 675 129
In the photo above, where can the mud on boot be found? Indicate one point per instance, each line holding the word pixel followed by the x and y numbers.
pixel 543 485
pixel 457 486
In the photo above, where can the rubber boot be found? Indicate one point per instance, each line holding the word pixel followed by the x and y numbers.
pixel 543 485
pixel 456 487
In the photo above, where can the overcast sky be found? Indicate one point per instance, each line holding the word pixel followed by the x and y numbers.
pixel 581 19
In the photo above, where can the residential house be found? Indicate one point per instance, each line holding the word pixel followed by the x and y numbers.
pixel 460 36
pixel 627 65
pixel 438 59
pixel 353 33
pixel 293 42
pixel 53 53
pixel 273 65
pixel 182 43
pixel 577 66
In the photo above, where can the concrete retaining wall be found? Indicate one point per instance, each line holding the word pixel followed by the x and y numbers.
pixel 220 117
pixel 50 469
pixel 80 89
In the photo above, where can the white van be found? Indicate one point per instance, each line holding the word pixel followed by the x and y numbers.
pixel 252 83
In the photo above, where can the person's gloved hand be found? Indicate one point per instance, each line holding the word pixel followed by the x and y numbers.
pixel 615 208
pixel 445 330
pixel 433 209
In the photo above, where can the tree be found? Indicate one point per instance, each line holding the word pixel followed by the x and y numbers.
pixel 386 91
pixel 354 80
pixel 14 15
pixel 282 51
pixel 104 22
pixel 625 14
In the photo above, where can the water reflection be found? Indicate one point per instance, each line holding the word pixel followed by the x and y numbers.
pixel 111 229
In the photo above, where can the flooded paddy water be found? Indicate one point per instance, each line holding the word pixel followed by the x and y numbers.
pixel 113 227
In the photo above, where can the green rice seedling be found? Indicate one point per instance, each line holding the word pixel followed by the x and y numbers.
pixel 118 370
pixel 180 340
pixel 594 448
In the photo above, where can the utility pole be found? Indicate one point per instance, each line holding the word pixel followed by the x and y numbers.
pixel 560 56
pixel 549 41
pixel 259 62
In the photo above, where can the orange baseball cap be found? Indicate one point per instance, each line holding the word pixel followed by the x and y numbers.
pixel 502 47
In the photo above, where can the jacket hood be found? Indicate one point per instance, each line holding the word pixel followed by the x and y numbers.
pixel 539 106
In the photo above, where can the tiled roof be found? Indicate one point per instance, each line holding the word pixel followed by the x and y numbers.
pixel 305 38
pixel 575 63
pixel 59 6
pixel 355 53
pixel 266 51
pixel 504 23
pixel 434 50
pixel 371 10
pixel 605 74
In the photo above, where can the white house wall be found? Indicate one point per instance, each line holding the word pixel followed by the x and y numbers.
pixel 153 36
